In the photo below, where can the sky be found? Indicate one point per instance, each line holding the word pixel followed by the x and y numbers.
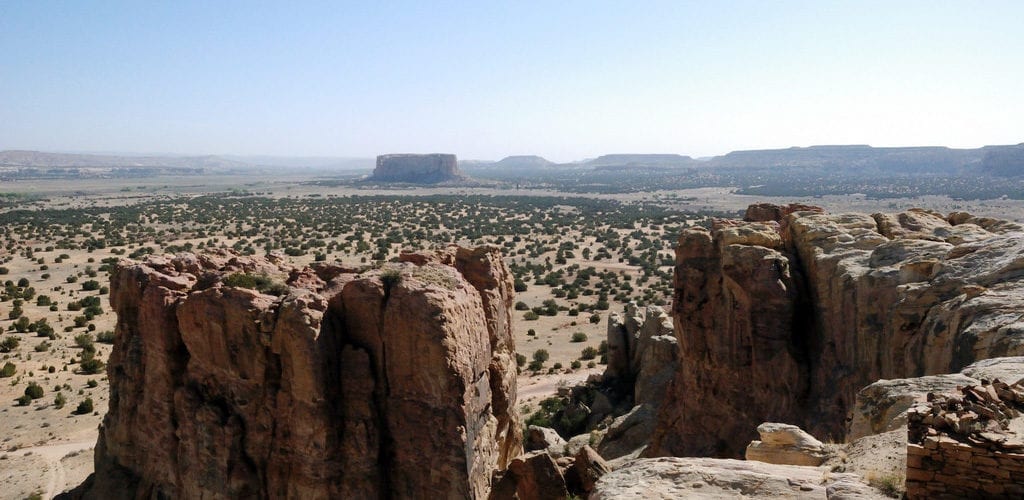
pixel 563 79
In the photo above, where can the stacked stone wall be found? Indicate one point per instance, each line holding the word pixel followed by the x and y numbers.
pixel 967 446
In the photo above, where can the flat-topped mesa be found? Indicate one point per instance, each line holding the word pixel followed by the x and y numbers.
pixel 238 377
pixel 785 316
pixel 417 168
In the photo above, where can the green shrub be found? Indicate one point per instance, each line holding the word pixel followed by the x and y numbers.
pixel 579 337
pixel 541 355
pixel 9 344
pixel 84 407
pixel 106 337
pixel 259 282
pixel 24 400
pixel 34 390
pixel 83 340
pixel 531 316
pixel 588 353
pixel 8 370
pixel 59 401
pixel 91 366
pixel 520 360
pixel 519 285
pixel 595 318
pixel 390 278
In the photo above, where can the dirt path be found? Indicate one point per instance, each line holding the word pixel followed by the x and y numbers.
pixel 53 454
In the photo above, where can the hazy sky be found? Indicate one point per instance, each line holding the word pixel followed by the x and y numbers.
pixel 563 79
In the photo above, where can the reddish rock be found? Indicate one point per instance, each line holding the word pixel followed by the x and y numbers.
pixel 395 383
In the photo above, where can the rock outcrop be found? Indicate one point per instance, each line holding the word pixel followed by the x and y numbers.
pixel 642 352
pixel 785 316
pixel 393 383
pixel 416 168
pixel 883 405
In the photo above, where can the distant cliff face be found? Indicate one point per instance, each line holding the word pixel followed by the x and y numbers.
pixel 393 383
pixel 785 316
pixel 416 169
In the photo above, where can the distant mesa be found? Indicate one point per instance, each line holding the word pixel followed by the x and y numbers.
pixel 524 161
pixel 616 161
pixel 417 168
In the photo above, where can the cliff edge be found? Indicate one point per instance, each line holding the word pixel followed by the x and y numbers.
pixel 784 316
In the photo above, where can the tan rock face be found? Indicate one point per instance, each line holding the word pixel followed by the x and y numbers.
pixel 394 383
pixel 788 327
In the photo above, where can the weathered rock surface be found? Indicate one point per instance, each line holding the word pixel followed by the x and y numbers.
pixel 786 316
pixel 391 383
pixel 786 444
pixel 673 477
pixel 416 168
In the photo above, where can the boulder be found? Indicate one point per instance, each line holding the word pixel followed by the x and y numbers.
pixel 786 444
pixel 538 476
pixel 544 439
pixel 587 468
pixel 628 433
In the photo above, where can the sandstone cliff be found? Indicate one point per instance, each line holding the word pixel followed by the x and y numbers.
pixel 416 168
pixel 785 316
pixel 398 382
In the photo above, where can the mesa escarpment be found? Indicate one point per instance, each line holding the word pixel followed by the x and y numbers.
pixel 785 316
pixel 417 168
pixel 396 382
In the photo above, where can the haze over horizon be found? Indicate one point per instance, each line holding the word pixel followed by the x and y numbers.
pixel 565 81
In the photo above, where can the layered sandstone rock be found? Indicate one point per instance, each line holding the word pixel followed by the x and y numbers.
pixel 784 317
pixel 398 382
pixel 416 168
